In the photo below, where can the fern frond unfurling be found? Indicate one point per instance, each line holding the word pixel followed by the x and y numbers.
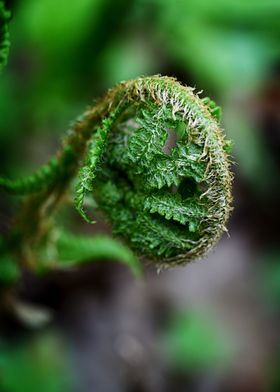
pixel 88 171
pixel 153 157
pixel 170 203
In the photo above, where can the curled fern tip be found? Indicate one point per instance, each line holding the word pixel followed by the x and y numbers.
pixel 157 166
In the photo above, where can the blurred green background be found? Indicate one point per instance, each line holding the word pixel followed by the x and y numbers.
pixel 211 326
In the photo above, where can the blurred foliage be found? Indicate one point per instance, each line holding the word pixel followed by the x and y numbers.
pixel 197 342
pixel 39 363
pixel 268 277
pixel 9 271
pixel 227 44
pixel 72 250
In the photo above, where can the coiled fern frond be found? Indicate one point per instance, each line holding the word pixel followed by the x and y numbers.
pixel 153 157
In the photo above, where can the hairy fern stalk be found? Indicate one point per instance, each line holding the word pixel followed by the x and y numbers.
pixel 153 157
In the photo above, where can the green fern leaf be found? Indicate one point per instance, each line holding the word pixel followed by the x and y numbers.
pixel 88 170
pixel 43 178
pixel 67 250
pixel 171 206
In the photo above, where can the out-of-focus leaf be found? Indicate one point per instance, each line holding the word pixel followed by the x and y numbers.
pixel 126 59
pixel 196 342
pixel 207 37
pixel 269 278
pixel 68 250
pixel 249 146
pixel 57 25
pixel 36 365
pixel 9 271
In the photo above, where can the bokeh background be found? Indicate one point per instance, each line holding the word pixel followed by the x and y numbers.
pixel 210 326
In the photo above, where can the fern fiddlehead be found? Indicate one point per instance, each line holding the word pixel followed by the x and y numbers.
pixel 153 157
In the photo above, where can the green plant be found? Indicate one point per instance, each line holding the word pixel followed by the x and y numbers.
pixel 152 157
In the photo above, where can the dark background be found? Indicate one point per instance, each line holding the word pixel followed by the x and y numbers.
pixel 210 326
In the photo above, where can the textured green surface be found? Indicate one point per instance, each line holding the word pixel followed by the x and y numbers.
pixel 152 155
pixel 160 171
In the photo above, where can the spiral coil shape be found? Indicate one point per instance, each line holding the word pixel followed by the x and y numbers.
pixel 152 157
pixel 156 163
